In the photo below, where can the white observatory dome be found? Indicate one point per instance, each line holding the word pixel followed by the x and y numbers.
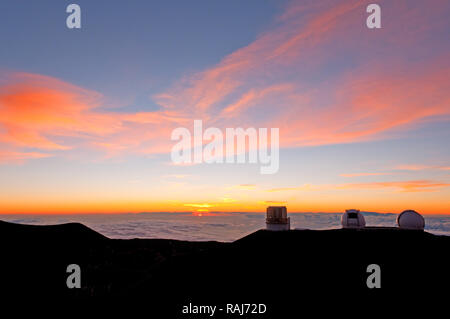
pixel 352 218
pixel 411 219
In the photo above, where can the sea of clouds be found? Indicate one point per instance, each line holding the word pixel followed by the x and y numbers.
pixel 216 226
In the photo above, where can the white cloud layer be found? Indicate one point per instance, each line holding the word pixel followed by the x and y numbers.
pixel 223 227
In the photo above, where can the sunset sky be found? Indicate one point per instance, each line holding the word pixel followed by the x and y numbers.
pixel 86 115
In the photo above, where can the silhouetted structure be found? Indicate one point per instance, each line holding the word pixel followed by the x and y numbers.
pixel 410 219
pixel 277 218
pixel 352 218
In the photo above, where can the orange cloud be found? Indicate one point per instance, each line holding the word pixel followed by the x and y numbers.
pixel 412 167
pixel 370 105
pixel 19 157
pixel 45 113
pixel 252 97
pixel 245 187
pixel 402 186
pixel 249 87
pixel 305 187
pixel 319 27
pixel 407 186
pixel 419 167
pixel 259 85
pixel 202 92
pixel 227 199
pixel 272 202
pixel 363 174
pixel 36 110
pixel 199 205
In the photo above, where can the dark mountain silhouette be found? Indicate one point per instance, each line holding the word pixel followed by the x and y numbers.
pixel 276 268
pixel 65 232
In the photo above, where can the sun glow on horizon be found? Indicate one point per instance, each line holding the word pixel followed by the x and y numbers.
pixel 92 133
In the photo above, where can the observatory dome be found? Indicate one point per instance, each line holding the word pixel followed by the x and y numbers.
pixel 411 219
pixel 352 218
pixel 277 218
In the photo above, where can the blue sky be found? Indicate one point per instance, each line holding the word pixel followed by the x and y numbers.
pixel 132 49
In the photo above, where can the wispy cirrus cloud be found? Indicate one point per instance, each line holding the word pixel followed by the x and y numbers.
pixel 281 79
pixel 369 106
pixel 305 187
pixel 399 186
pixel 269 57
pixel 267 82
pixel 420 167
pixel 228 199
pixel 272 202
pixel 202 205
pixel 363 174
pixel 44 113
pixel 35 107
pixel 245 187
pixel 19 157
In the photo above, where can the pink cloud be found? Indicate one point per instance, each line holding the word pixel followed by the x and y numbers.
pixel 248 87
pixel 34 108
pixel 20 157
pixel 420 167
pixel 40 112
pixel 260 85
pixel 200 93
